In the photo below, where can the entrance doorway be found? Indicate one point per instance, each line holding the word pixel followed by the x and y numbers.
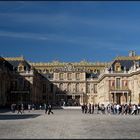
pixel 77 100
pixel 120 98
pixel 73 101
pixel 69 100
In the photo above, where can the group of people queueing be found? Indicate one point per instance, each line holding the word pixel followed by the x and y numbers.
pixel 123 109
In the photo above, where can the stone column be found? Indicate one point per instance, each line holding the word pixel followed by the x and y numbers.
pixel 73 96
pixel 114 97
pixel 81 99
pixel 110 97
pixel 123 98
pixel 127 97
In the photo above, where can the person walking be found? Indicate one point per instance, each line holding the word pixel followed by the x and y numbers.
pixel 19 109
pixel 86 108
pixel 50 109
pixel 134 110
pixel 83 108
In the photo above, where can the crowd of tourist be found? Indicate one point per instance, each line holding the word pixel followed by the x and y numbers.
pixel 20 108
pixel 123 109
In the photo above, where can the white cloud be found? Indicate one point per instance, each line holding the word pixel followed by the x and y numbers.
pixel 23 35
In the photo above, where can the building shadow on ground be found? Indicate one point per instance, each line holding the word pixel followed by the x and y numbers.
pixel 4 110
pixel 18 116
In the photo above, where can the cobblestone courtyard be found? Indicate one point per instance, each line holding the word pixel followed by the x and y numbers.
pixel 68 124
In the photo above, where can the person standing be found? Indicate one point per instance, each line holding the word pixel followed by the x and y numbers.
pixel 46 108
pixel 116 108
pixel 138 108
pixel 89 108
pixel 22 108
pixel 29 107
pixel 83 108
pixel 92 109
pixel 12 108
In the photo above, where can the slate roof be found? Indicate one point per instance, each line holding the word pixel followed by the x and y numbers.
pixel 127 63
pixel 92 75
pixel 5 63
pixel 15 63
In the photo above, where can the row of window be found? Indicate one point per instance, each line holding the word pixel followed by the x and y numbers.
pixel 77 88
pixel 91 89
pixel 20 84
pixel 52 70
pixel 118 83
pixel 47 88
pixel 69 76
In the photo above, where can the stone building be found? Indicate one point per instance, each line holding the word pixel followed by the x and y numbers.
pixel 5 79
pixel 119 83
pixel 73 83
pixel 27 86
pixel 76 83
pixel 85 82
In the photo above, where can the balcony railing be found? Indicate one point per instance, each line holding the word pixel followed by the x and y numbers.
pixel 119 88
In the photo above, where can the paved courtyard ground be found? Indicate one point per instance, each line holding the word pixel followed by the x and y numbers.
pixel 67 124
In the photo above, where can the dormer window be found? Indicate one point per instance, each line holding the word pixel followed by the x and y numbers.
pixel 20 67
pixel 117 66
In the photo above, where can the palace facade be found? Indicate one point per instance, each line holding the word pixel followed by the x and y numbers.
pixel 21 83
pixel 78 83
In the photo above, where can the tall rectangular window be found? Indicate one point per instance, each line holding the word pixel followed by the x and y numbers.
pixel 77 87
pixel 95 88
pixel 44 88
pixel 69 76
pixel 88 88
pixel 61 76
pixel 118 83
pixel 51 87
pixel 77 76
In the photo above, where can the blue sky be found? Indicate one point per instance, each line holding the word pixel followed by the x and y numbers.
pixel 69 31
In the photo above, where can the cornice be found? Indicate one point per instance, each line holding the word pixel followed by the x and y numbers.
pixel 128 58
pixel 56 63
pixel 21 58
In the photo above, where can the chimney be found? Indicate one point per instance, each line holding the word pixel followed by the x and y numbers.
pixel 132 53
